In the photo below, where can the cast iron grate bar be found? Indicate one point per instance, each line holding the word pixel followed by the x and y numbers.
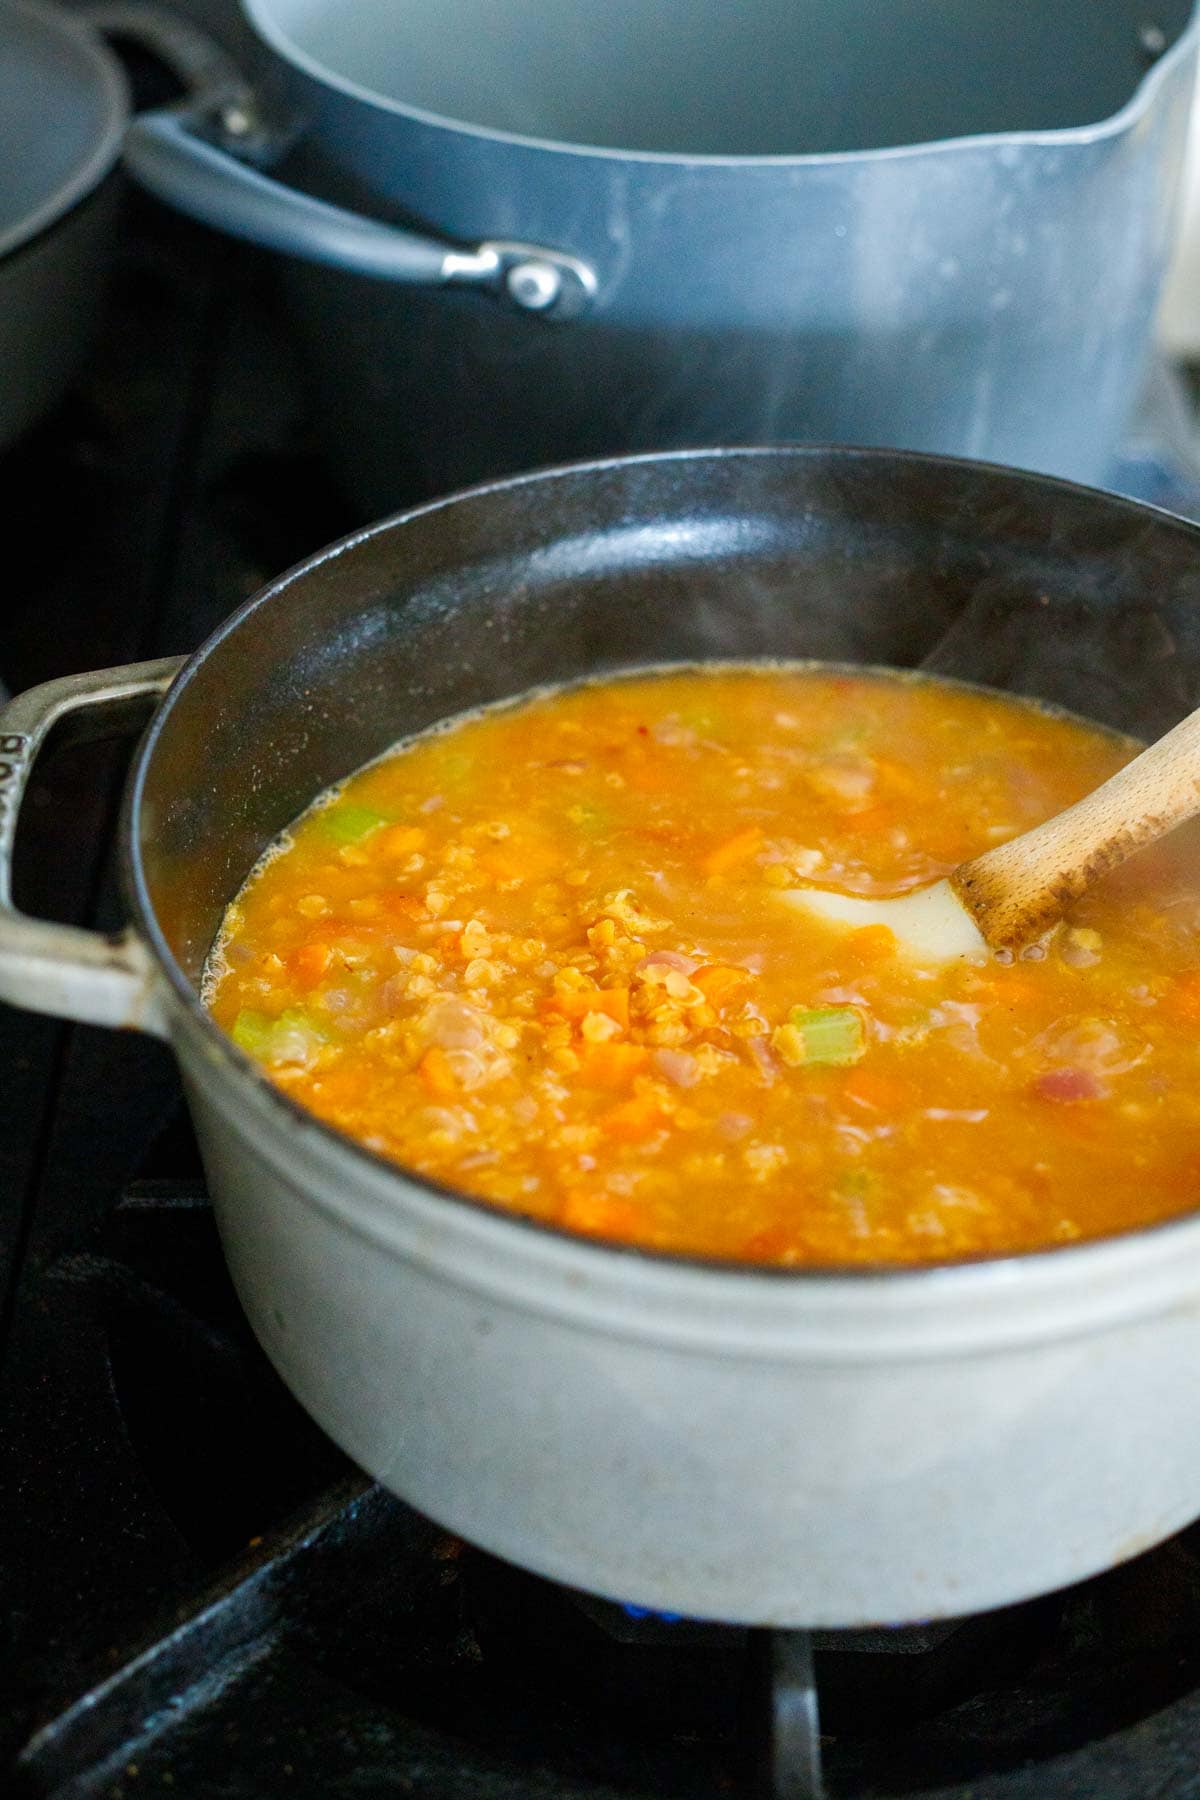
pixel 795 1719
pixel 164 1195
pixel 200 1645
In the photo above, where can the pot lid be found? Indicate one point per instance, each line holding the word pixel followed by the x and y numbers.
pixel 64 107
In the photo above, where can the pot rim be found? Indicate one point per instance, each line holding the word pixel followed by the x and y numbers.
pixel 102 72
pixel 958 1281
pixel 275 36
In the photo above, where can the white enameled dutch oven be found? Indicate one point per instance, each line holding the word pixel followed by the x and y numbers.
pixel 830 1448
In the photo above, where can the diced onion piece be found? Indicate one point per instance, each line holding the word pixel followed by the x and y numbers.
pixel 679 1066
pixel 1068 1084
pixel 670 959
pixel 759 1052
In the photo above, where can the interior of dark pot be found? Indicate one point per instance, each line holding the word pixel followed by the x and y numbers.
pixel 699 77
pixel 987 575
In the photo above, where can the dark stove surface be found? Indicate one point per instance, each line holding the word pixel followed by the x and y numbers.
pixel 199 1594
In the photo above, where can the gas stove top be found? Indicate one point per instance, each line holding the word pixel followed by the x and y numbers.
pixel 199 1594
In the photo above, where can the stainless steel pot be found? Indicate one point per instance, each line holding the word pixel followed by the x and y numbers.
pixel 935 225
pixel 761 1446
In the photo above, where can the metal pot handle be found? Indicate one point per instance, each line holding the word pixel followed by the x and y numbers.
pixel 205 157
pixel 169 152
pixel 61 969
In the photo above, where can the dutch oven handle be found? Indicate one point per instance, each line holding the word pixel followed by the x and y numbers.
pixel 61 969
pixel 204 156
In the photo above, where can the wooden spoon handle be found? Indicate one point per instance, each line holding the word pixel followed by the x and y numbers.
pixel 1016 891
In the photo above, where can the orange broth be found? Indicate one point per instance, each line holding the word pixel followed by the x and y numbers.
pixel 540 955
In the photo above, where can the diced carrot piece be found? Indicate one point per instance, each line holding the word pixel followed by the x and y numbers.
pixel 767 1245
pixel 884 1093
pixel 611 1065
pixel 398 841
pixel 872 819
pixel 576 1002
pixel 1088 1124
pixel 309 963
pixel 520 858
pixel 718 982
pixel 404 906
pixel 604 1214
pixel 1008 991
pixel 634 1119
pixel 872 943
pixel 734 850
pixel 896 777
pixel 503 865
pixel 617 1005
pixel 437 1074
pixel 1182 998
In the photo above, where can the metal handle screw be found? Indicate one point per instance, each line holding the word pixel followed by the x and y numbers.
pixel 536 286
pixel 236 121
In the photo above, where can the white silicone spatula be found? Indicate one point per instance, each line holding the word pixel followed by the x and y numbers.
pixel 1011 895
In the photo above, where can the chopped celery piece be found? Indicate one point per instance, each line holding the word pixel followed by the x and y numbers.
pixel 849 737
pixel 295 1036
pixel 857 1192
pixel 856 1184
pixel 349 824
pixel 302 1018
pixel 831 1034
pixel 456 765
pixel 588 817
pixel 702 719
pixel 253 1032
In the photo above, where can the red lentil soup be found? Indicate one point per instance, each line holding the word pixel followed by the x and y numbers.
pixel 540 955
